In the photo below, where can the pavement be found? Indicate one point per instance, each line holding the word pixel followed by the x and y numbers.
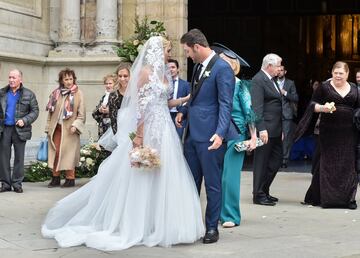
pixel 288 229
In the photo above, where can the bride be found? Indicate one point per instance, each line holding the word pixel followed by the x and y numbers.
pixel 123 206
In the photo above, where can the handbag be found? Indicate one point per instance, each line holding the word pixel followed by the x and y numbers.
pixel 242 146
pixel 42 154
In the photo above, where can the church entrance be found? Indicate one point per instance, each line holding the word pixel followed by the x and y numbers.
pixel 309 35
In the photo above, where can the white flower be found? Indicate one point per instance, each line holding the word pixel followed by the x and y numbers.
pixel 146 163
pixel 135 156
pixel 44 164
pixel 86 152
pixel 82 159
pixel 89 161
pixel 136 42
pixel 207 74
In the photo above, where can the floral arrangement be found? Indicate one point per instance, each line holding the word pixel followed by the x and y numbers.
pixel 91 156
pixel 143 31
pixel 37 172
pixel 144 156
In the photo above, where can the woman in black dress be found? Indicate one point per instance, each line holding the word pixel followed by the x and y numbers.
pixel 335 184
pixel 116 97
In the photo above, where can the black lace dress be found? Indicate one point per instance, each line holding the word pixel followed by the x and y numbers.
pixel 335 183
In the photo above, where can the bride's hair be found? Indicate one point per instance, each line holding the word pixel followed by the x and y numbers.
pixel 166 42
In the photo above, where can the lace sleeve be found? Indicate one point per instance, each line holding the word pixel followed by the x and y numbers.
pixel 145 95
pixel 170 89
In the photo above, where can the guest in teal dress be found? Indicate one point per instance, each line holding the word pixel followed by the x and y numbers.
pixel 243 117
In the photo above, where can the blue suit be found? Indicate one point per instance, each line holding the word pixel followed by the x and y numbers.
pixel 208 113
pixel 183 91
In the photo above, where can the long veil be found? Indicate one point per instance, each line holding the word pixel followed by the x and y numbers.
pixel 147 72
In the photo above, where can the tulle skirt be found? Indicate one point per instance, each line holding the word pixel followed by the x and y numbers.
pixel 123 206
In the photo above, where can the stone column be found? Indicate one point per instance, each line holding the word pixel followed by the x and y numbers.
pixel 69 31
pixel 106 27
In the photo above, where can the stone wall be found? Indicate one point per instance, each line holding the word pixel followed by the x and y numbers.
pixel 24 27
pixel 29 31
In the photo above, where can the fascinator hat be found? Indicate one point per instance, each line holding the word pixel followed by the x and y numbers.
pixel 220 48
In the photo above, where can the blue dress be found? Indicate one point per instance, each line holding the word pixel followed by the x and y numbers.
pixel 242 114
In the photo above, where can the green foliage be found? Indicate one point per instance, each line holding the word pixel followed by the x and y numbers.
pixel 132 135
pixel 37 172
pixel 143 31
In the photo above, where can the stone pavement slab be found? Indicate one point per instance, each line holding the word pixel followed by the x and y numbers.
pixel 288 229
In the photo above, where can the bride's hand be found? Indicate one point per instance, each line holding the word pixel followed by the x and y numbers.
pixel 137 141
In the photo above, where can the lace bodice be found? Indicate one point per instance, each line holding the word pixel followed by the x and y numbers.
pixel 153 111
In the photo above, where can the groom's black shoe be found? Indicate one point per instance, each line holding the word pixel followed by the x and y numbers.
pixel 272 198
pixel 263 201
pixel 211 236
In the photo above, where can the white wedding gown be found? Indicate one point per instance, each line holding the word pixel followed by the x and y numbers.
pixel 123 206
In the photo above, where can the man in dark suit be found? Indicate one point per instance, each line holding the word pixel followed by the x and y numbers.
pixel 209 123
pixel 289 110
pixel 181 90
pixel 267 103
pixel 357 77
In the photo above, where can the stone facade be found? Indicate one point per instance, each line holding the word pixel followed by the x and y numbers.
pixel 41 37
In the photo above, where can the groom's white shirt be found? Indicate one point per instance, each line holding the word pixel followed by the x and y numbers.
pixel 206 62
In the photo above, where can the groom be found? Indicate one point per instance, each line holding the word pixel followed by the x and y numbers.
pixel 209 125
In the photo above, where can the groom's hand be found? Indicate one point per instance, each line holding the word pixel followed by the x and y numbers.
pixel 217 142
pixel 178 120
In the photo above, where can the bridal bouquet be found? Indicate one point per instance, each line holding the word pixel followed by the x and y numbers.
pixel 144 156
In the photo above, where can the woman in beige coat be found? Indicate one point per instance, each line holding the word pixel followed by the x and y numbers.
pixel 65 123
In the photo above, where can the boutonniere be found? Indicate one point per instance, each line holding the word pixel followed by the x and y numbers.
pixel 207 74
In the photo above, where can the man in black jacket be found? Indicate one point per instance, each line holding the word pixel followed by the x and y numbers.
pixel 267 103
pixel 18 110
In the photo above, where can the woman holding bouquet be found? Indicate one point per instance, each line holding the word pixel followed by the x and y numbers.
pixel 243 116
pixel 125 205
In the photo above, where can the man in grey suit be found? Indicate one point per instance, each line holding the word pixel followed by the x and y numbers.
pixel 289 110
pixel 267 103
